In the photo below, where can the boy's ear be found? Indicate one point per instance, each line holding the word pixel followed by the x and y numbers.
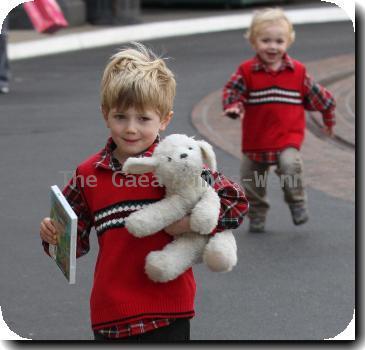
pixel 208 155
pixel 166 120
pixel 143 165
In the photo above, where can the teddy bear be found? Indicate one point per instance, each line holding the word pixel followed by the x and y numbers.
pixel 177 164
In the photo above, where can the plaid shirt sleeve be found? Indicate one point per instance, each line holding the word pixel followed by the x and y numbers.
pixel 74 196
pixel 234 205
pixel 317 98
pixel 233 94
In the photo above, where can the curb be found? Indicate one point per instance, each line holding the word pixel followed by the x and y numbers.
pixel 165 29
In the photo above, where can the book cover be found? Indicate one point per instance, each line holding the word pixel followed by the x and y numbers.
pixel 65 220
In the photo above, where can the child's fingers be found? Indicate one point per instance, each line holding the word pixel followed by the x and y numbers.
pixel 46 231
pixel 232 110
pixel 49 225
pixel 47 234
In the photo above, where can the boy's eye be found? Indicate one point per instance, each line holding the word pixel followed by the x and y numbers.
pixel 119 116
pixel 144 119
pixel 190 148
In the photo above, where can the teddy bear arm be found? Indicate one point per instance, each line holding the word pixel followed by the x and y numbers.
pixel 205 214
pixel 155 217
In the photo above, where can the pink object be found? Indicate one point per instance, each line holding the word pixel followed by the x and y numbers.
pixel 45 15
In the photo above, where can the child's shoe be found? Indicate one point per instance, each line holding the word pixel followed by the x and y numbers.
pixel 299 214
pixel 257 225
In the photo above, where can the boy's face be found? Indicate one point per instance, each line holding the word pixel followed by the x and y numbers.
pixel 271 43
pixel 134 132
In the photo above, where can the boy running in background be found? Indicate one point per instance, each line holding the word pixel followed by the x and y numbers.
pixel 270 93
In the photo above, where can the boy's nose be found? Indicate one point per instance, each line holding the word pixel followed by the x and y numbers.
pixel 131 127
pixel 183 155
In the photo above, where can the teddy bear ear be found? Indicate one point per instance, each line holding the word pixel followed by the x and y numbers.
pixel 208 155
pixel 139 165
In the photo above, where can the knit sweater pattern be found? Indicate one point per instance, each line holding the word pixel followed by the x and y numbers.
pixel 274 113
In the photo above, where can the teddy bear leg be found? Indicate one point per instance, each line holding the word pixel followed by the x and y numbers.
pixel 220 254
pixel 176 257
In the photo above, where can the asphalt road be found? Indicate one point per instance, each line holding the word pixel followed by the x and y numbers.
pixel 293 283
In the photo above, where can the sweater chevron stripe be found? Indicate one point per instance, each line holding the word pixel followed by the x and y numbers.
pixel 114 215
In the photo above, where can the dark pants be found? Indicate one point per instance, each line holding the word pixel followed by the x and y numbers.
pixel 4 62
pixel 178 331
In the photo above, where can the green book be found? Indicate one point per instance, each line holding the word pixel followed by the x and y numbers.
pixel 65 220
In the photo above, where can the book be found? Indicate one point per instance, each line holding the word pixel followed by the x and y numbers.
pixel 65 220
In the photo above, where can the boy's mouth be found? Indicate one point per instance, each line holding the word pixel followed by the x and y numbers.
pixel 271 54
pixel 130 141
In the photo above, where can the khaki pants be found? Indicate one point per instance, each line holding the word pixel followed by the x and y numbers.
pixel 254 180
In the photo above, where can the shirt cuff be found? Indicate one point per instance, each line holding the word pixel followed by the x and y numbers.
pixel 46 248
pixel 329 118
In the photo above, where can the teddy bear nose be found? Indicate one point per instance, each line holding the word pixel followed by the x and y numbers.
pixel 183 155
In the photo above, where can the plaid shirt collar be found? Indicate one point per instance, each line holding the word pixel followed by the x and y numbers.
pixel 258 64
pixel 108 161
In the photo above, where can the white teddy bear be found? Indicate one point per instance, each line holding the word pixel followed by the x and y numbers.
pixel 177 163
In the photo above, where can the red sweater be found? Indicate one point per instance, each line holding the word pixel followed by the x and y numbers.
pixel 121 290
pixel 274 112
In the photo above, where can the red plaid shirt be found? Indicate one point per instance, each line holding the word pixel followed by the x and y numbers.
pixel 131 329
pixel 234 207
pixel 316 98
pixel 264 157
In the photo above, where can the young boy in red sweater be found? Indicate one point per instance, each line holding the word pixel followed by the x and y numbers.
pixel 137 93
pixel 272 91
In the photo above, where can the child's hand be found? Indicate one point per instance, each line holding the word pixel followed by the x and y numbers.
pixel 328 130
pixel 233 113
pixel 179 227
pixel 48 231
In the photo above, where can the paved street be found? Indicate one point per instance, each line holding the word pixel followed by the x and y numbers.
pixel 292 283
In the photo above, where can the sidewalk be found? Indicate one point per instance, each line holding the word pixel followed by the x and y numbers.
pixel 319 152
pixel 153 15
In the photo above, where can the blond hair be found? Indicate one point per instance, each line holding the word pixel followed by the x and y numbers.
pixel 136 77
pixel 266 17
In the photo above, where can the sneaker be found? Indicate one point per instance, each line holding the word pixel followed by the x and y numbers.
pixel 299 214
pixel 4 90
pixel 257 225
